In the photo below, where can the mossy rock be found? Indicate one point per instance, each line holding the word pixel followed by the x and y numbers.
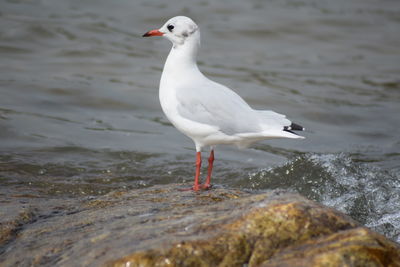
pixel 164 226
pixel 282 230
pixel 354 247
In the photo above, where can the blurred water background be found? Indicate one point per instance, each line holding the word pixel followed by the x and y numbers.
pixel 80 117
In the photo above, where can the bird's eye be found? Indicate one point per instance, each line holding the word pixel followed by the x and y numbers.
pixel 170 27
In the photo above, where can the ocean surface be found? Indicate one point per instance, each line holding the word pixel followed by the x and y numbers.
pixel 80 115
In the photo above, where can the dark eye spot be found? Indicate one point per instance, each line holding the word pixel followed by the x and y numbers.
pixel 170 27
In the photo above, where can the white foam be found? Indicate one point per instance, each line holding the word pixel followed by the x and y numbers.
pixel 365 192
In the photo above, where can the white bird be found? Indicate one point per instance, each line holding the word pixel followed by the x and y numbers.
pixel 208 112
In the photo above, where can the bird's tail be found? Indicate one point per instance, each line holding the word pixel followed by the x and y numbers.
pixel 279 124
pixel 293 127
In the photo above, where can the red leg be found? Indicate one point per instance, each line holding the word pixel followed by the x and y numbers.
pixel 196 186
pixel 207 184
pixel 196 178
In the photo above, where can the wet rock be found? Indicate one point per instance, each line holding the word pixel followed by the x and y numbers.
pixel 354 247
pixel 13 217
pixel 276 230
pixel 167 227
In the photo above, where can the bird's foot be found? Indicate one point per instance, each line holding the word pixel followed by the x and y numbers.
pixel 197 188
pixel 193 188
pixel 206 186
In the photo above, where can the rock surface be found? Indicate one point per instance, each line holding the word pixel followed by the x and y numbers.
pixel 277 230
pixel 164 226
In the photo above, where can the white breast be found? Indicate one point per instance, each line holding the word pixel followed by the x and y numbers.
pixel 171 104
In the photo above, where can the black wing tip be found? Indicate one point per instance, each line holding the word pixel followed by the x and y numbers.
pixel 289 131
pixel 293 127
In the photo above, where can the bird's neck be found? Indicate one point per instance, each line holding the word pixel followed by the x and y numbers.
pixel 182 58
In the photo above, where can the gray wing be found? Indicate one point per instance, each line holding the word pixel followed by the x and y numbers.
pixel 214 104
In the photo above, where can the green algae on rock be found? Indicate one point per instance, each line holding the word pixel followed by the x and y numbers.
pixel 353 247
pixel 278 230
pixel 10 227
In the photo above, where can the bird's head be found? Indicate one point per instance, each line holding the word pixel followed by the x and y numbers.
pixel 178 30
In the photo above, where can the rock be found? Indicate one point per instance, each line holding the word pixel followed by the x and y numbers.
pixel 277 230
pixel 13 217
pixel 354 247
pixel 167 227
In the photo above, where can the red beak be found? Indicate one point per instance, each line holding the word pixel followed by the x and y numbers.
pixel 153 33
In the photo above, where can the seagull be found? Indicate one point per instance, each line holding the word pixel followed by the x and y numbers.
pixel 208 112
